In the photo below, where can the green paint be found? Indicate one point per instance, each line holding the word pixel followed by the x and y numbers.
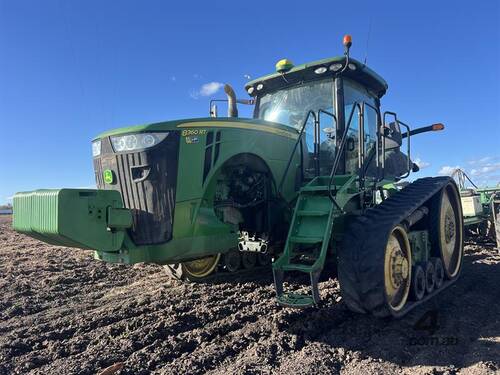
pixel 420 246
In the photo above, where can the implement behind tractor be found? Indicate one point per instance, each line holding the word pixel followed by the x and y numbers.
pixel 481 207
pixel 308 182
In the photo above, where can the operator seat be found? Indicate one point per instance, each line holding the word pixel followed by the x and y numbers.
pixel 396 162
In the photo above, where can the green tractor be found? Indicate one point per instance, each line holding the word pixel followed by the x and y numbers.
pixel 308 183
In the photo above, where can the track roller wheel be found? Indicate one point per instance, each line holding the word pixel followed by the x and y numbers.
pixel 446 229
pixel 263 259
pixel 438 272
pixel 248 260
pixel 483 229
pixel 418 283
pixel 429 277
pixel 232 261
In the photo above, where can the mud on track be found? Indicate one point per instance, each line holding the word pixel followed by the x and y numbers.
pixel 61 312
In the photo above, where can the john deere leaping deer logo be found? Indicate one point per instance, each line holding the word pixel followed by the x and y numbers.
pixel 109 176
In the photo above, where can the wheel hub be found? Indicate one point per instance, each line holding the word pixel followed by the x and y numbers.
pixel 399 268
pixel 449 228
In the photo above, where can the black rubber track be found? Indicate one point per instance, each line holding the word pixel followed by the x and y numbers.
pixel 361 256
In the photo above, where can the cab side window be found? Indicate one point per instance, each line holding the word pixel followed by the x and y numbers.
pixel 356 93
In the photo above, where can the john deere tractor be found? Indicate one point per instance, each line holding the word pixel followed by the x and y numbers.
pixel 312 182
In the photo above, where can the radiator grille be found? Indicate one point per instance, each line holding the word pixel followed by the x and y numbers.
pixel 147 181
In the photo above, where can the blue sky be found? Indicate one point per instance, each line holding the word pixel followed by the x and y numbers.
pixel 72 69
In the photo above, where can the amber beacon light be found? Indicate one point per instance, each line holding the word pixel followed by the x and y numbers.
pixel 347 41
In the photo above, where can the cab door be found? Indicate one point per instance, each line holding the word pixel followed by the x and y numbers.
pixel 326 130
pixel 318 144
pixel 363 105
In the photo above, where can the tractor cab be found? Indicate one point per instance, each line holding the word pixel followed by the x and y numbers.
pixel 325 100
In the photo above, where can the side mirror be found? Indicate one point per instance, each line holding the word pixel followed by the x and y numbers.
pixel 392 135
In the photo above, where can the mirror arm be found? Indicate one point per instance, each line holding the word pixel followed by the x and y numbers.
pixel 424 129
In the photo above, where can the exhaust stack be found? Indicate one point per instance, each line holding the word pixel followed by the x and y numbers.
pixel 232 109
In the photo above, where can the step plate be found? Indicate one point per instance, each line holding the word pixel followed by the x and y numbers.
pixel 299 301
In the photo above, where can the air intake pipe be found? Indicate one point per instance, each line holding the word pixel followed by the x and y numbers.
pixel 232 109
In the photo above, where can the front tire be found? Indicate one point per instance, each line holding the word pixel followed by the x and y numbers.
pixel 200 268
pixel 194 270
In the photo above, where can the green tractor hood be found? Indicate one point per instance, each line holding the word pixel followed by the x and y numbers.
pixel 96 218
pixel 216 122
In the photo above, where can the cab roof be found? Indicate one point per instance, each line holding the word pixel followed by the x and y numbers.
pixel 305 72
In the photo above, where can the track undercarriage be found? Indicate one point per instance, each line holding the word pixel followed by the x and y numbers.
pixel 393 257
pixel 421 257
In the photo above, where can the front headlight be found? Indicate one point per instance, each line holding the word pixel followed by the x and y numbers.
pixel 137 141
pixel 96 148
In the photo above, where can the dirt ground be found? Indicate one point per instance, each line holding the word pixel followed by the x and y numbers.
pixel 62 312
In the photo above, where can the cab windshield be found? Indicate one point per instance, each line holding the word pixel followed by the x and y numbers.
pixel 290 106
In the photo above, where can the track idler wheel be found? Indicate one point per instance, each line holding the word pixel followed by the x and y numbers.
pixel 418 283
pixel 438 272
pixel 263 259
pixel 446 229
pixel 429 277
pixel 232 261
pixel 397 269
